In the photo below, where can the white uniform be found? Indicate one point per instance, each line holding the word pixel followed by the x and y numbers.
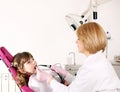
pixel 95 75
pixel 38 86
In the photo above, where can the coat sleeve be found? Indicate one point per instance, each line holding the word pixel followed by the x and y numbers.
pixel 69 78
pixel 84 82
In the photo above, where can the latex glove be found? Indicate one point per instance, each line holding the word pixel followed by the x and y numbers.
pixel 43 76
pixel 59 70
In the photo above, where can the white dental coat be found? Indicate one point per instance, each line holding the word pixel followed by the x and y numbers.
pixel 38 86
pixel 96 74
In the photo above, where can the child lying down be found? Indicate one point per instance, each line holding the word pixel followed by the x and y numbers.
pixel 26 72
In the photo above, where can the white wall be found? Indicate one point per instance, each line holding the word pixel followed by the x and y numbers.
pixel 109 18
pixel 39 26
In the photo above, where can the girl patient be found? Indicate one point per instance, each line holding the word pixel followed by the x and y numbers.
pixel 26 72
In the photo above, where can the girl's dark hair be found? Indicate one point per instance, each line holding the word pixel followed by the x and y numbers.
pixel 18 62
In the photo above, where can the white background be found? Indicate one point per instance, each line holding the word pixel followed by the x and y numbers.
pixel 39 26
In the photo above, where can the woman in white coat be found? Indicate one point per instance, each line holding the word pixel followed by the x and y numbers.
pixel 96 74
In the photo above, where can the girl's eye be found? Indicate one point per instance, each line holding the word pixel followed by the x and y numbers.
pixel 28 62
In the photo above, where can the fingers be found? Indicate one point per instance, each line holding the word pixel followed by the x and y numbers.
pixel 37 69
pixel 53 68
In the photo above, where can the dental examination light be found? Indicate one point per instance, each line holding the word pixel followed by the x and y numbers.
pixel 74 20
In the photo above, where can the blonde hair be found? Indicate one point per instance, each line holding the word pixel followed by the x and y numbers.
pixel 93 37
pixel 18 62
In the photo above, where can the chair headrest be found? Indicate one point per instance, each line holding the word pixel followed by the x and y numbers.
pixel 7 54
pixel 8 59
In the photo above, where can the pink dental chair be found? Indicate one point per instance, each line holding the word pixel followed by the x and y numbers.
pixel 7 58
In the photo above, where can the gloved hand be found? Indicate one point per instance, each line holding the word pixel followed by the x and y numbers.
pixel 43 76
pixel 59 70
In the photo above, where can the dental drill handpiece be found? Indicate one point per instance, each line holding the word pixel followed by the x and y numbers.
pixel 49 66
pixel 45 66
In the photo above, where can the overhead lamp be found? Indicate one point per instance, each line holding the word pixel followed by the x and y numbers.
pixel 74 20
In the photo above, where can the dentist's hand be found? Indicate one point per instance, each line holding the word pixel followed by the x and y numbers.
pixel 43 76
pixel 59 70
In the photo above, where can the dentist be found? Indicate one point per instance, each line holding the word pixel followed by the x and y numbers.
pixel 96 74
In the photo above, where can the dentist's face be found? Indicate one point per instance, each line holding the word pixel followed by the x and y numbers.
pixel 81 47
pixel 30 66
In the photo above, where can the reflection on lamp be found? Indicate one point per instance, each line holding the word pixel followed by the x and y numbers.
pixel 74 20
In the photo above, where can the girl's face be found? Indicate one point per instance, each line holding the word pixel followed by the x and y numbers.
pixel 81 48
pixel 30 66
